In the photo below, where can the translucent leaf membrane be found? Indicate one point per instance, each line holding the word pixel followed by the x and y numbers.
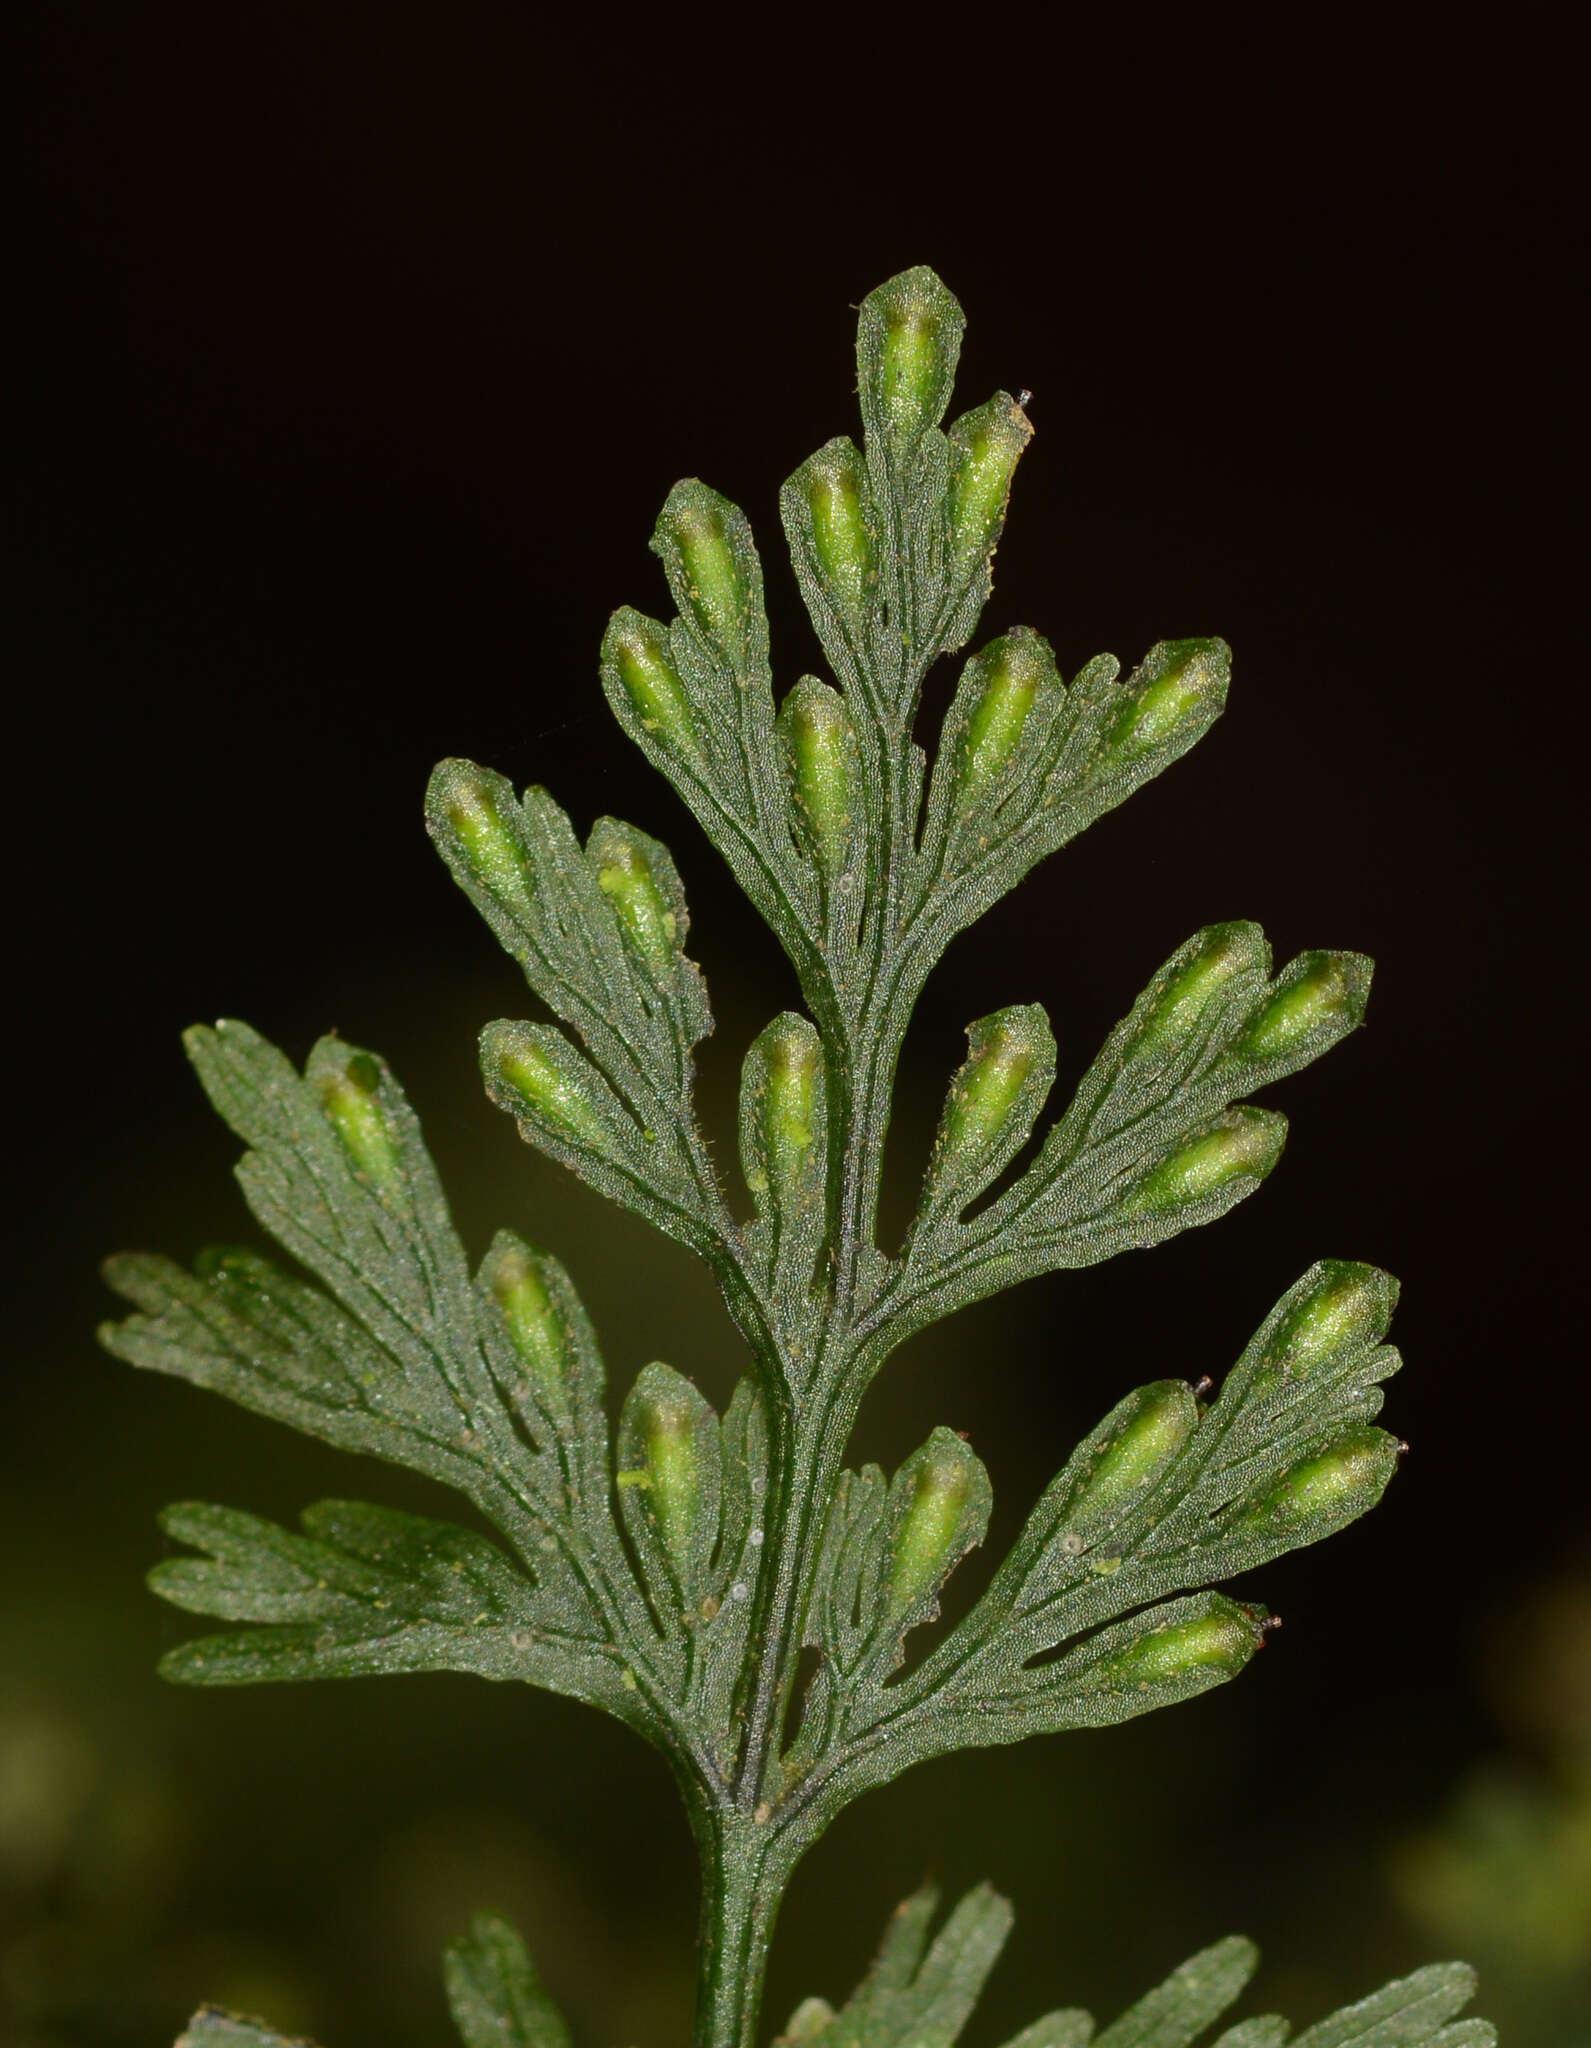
pixel 922 1992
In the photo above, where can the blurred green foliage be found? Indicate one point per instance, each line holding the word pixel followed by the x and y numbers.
pixel 1505 1873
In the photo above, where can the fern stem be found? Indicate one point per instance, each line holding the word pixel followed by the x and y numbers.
pixel 745 1867
pixel 807 1451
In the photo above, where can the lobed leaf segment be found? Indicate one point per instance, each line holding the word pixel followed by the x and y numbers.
pixel 923 1987
pixel 674 1576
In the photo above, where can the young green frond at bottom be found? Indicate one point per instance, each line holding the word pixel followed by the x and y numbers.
pixel 924 1985
pixel 920 1994
pixel 494 1993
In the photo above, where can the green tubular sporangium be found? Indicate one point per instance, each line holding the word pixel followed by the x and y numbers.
pixel 523 1075
pixel 1336 1484
pixel 669 1476
pixel 1318 995
pixel 783 1114
pixel 1338 1306
pixel 939 1510
pixel 1123 1461
pixel 1244 1144
pixel 515 1277
pixel 464 798
pixel 985 447
pixel 832 487
pixel 908 340
pixel 635 650
pixel 1209 1645
pixel 825 771
pixel 993 1100
pixel 627 865
pixel 697 528
pixel 1176 692
pixel 666 1428
pixel 1007 677
pixel 1194 979
pixel 350 1094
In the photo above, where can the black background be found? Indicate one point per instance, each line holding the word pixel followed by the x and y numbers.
pixel 362 347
